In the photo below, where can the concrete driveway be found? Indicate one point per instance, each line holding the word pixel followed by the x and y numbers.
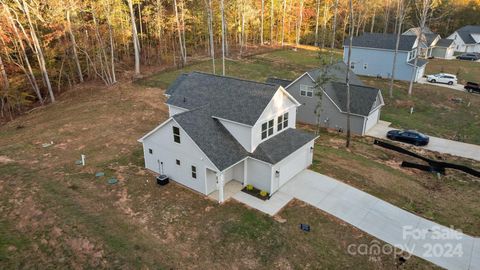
pixel 385 221
pixel 458 87
pixel 436 144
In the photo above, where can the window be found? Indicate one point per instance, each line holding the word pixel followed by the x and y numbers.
pixel 150 150
pixel 352 65
pixel 282 121
pixel 178 162
pixel 176 134
pixel 365 66
pixel 267 129
pixel 306 90
pixel 194 172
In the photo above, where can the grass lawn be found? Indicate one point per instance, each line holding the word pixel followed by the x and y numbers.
pixel 55 214
pixel 466 71
pixel 435 112
pixel 452 200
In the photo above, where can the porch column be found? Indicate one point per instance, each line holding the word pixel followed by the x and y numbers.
pixel 245 173
pixel 221 184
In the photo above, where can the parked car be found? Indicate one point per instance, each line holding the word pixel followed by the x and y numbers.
pixel 469 56
pixel 442 78
pixel 408 136
pixel 472 87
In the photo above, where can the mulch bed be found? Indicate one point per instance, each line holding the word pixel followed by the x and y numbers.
pixel 256 193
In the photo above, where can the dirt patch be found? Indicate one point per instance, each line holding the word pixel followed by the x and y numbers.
pixel 5 160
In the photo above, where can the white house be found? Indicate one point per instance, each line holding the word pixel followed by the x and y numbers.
pixel 445 48
pixel 225 129
pixel 373 54
pixel 429 40
pixel 467 39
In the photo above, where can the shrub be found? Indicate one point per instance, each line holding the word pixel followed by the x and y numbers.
pixel 263 193
pixel 249 187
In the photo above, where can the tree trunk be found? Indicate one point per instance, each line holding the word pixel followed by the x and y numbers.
pixel 261 22
pixel 74 47
pixel 283 21
pixel 347 80
pixel 210 31
pixel 316 23
pixel 373 20
pixel 179 32
pixel 223 37
pixel 324 25
pixel 334 31
pixel 136 43
pixel 387 16
pixel 400 18
pixel 183 30
pixel 299 26
pixel 39 52
pixel 272 21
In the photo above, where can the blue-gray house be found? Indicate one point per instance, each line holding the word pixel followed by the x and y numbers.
pixel 373 53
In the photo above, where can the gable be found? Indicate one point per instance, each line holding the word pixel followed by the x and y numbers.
pixel 280 102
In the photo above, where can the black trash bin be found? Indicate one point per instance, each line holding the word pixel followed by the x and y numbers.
pixel 162 180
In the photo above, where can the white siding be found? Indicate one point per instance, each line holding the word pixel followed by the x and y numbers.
pixel 372 120
pixel 172 110
pixel 242 133
pixel 166 151
pixel 279 105
pixel 259 174
pixel 291 166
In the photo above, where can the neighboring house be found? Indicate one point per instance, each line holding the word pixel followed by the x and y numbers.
pixel 366 102
pixel 445 48
pixel 429 40
pixel 225 129
pixel 467 39
pixel 373 53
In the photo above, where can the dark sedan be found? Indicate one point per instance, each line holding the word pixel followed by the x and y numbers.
pixel 408 136
pixel 469 56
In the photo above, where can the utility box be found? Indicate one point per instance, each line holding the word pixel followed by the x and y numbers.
pixel 162 180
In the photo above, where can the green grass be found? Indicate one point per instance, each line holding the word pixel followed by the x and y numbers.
pixel 434 111
pixel 466 71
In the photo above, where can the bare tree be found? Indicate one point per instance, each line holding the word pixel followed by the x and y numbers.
pixel 136 42
pixel 316 23
pixel 401 13
pixel 334 31
pixel 283 21
pixel 347 79
pixel 210 31
pixel 223 36
pixel 299 23
pixel 38 49
pixel 179 32
pixel 422 8
pixel 272 22
pixel 74 46
pixel 386 16
pixel 261 22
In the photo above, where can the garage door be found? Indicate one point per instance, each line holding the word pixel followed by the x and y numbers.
pixel 292 165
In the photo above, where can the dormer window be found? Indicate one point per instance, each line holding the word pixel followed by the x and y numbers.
pixel 282 121
pixel 267 129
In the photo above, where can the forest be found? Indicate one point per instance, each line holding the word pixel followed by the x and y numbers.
pixel 47 47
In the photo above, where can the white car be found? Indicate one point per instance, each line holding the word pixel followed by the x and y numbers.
pixel 442 78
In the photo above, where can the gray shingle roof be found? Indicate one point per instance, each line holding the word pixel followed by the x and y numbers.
pixel 466 31
pixel 383 41
pixel 278 81
pixel 224 150
pixel 362 98
pixel 420 62
pixel 211 136
pixel 280 146
pixel 234 99
pixel 444 43
pixel 338 71
pixel 175 84
pixel 430 38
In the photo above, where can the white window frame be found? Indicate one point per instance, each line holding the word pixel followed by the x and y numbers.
pixel 175 135
pixel 267 128
pixel 306 90
pixel 194 172
pixel 282 121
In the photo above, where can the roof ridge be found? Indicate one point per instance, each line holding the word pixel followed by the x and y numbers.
pixel 358 85
pixel 230 77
